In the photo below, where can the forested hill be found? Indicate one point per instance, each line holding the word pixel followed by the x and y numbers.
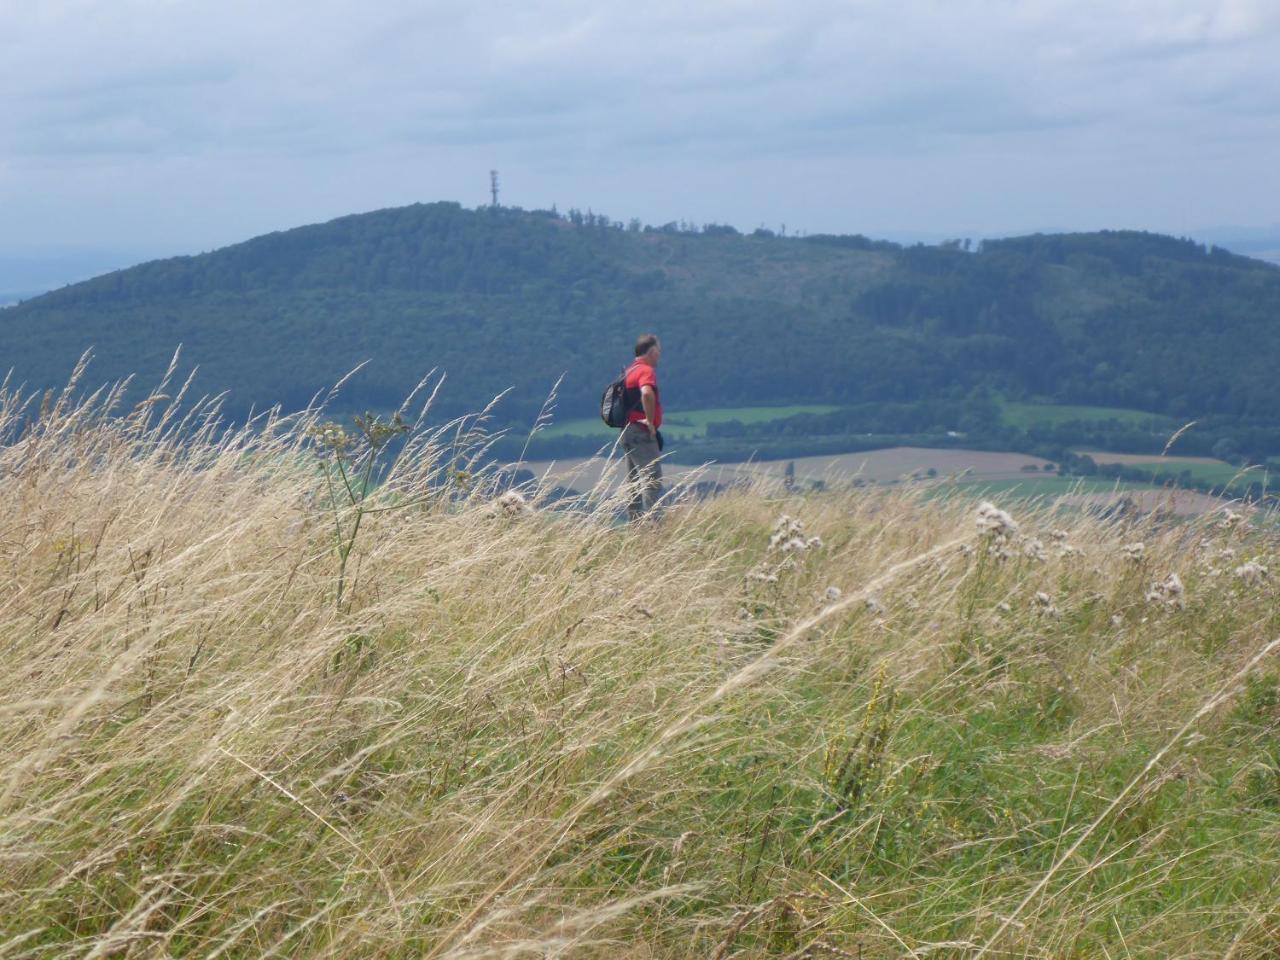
pixel 507 298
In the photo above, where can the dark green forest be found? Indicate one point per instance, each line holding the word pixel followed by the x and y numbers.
pixel 502 298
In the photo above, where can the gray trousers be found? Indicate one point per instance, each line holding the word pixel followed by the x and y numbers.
pixel 644 470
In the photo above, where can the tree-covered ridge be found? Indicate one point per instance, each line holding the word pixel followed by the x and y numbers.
pixel 504 298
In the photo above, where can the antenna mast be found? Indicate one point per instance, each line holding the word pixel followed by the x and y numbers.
pixel 493 186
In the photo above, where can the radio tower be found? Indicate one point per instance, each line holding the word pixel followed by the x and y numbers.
pixel 493 185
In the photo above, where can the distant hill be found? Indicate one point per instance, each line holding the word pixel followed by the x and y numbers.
pixel 504 298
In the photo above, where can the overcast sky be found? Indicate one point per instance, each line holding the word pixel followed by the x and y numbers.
pixel 168 126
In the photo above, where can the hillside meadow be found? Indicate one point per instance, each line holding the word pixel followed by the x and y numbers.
pixel 256 705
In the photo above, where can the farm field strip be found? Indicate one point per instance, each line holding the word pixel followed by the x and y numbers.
pixel 1140 459
pixel 879 466
pixel 688 423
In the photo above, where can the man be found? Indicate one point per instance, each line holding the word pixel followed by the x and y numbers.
pixel 640 437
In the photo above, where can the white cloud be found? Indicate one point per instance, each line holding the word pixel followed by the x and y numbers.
pixel 584 101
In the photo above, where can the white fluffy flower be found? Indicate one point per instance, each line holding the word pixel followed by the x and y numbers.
pixel 512 504
pixel 994 522
pixel 1168 592
pixel 1044 603
pixel 795 545
pixel 785 531
pixel 1134 552
pixel 1252 572
pixel 1230 518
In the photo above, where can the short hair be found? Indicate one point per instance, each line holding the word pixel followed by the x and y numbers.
pixel 645 342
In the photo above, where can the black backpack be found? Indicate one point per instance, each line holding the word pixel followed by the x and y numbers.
pixel 617 401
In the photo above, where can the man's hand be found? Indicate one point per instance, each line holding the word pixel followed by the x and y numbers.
pixel 649 400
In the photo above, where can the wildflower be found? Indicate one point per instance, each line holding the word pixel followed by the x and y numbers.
pixel 1057 536
pixel 813 543
pixel 332 438
pixel 832 594
pixel 795 545
pixel 1168 592
pixel 1044 603
pixel 1033 549
pixel 1067 550
pixel 1134 552
pixel 787 529
pixel 994 522
pixel 873 605
pixel 1003 607
pixel 1117 621
pixel 1225 556
pixel 1252 572
pixel 1229 518
pixel 966 549
pixel 762 576
pixel 512 504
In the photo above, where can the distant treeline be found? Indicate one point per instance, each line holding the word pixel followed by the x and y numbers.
pixel 509 299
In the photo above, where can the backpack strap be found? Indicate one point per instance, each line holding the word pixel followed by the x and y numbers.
pixel 631 396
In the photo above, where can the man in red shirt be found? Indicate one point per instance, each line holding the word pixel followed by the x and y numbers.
pixel 640 438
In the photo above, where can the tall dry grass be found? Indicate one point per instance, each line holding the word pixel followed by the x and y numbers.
pixel 525 731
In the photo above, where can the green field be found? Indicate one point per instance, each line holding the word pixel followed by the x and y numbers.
pixel 1046 485
pixel 691 425
pixel 688 424
pixel 1218 474
pixel 1024 415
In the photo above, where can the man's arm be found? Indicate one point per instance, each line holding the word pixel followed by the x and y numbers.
pixel 649 400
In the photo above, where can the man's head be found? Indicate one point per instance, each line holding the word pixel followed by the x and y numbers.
pixel 648 348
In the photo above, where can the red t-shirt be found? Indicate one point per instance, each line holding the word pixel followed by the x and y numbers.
pixel 640 374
